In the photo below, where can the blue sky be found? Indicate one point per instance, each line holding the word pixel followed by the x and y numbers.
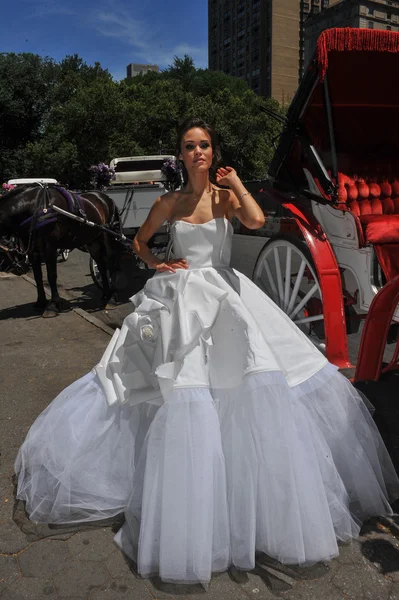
pixel 115 33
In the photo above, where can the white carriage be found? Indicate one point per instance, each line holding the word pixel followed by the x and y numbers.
pixel 138 182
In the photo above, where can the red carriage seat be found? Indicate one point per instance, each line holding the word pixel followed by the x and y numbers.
pixel 380 228
pixel 375 206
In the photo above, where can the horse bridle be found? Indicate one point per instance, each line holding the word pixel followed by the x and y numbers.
pixel 40 207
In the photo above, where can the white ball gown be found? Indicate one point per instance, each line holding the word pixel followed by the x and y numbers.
pixel 214 425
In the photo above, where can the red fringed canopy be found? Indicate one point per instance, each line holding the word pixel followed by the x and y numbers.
pixel 349 39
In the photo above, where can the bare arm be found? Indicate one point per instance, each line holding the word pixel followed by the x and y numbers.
pixel 160 212
pixel 242 204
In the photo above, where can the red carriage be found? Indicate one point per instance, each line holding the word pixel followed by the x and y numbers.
pixel 332 258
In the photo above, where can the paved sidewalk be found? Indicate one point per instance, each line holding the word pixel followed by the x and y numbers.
pixel 75 284
pixel 39 357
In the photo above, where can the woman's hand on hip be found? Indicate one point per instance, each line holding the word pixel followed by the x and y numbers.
pixel 171 265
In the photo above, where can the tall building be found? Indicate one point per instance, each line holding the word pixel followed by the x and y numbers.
pixel 308 8
pixel 261 41
pixel 135 69
pixel 366 14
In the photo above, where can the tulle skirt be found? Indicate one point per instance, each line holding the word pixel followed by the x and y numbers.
pixel 209 477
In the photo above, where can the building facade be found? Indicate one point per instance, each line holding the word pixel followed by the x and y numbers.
pixel 308 8
pixel 369 14
pixel 260 41
pixel 135 69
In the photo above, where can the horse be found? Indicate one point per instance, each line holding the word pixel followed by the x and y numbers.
pixel 28 212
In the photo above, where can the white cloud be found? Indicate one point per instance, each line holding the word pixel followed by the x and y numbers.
pixel 146 39
pixel 120 25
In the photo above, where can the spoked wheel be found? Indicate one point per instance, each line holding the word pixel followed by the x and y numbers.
pixel 95 273
pixel 64 254
pixel 169 251
pixel 163 252
pixel 285 271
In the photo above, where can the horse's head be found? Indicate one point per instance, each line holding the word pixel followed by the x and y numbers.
pixel 16 206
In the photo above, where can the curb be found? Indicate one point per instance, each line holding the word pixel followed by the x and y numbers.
pixel 79 311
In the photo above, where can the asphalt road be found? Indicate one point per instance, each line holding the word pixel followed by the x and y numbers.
pixel 76 284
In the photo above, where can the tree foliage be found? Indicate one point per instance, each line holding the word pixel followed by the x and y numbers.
pixel 57 119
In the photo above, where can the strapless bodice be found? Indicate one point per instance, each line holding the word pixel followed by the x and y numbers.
pixel 203 245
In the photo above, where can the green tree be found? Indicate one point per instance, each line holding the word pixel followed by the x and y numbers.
pixel 183 70
pixel 56 119
pixel 26 82
pixel 81 126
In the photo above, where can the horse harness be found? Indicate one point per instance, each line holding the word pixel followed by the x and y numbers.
pixel 45 214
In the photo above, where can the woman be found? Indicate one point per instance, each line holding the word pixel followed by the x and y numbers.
pixel 211 421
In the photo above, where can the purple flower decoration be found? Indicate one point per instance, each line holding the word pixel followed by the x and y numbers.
pixel 7 187
pixel 102 175
pixel 173 172
pixel 171 168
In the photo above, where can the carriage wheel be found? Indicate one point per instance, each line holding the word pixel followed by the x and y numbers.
pixel 169 251
pixel 95 273
pixel 64 254
pixel 162 252
pixel 138 263
pixel 285 271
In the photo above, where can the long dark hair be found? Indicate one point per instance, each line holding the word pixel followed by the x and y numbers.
pixel 200 123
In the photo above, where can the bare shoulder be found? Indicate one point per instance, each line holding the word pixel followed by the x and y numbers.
pixel 161 210
pixel 164 204
pixel 222 194
pixel 167 200
pixel 227 199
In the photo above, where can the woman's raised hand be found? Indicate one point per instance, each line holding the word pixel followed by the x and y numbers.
pixel 171 265
pixel 226 176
